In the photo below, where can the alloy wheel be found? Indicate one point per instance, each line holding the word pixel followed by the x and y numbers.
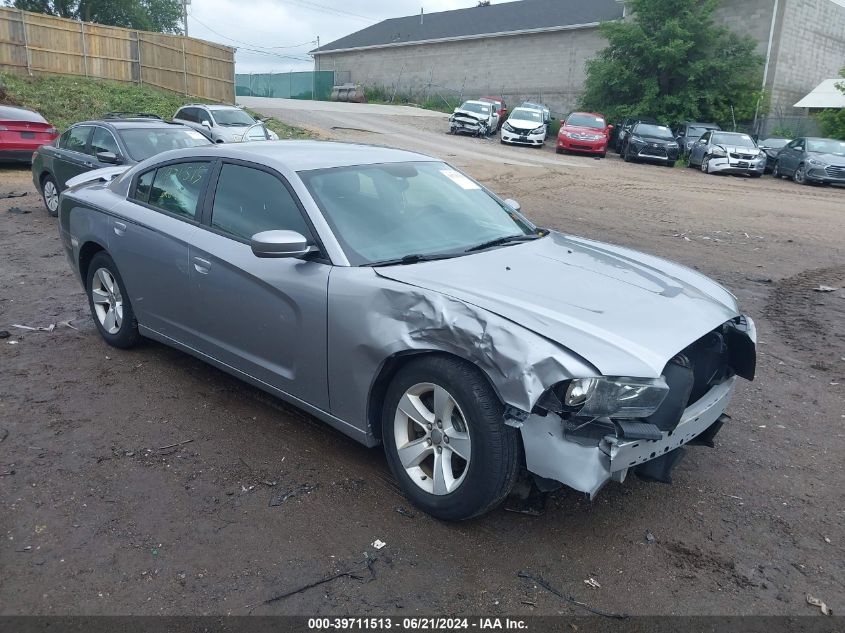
pixel 51 196
pixel 108 301
pixel 432 438
pixel 705 164
pixel 799 176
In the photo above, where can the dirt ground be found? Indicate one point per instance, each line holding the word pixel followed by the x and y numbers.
pixel 98 517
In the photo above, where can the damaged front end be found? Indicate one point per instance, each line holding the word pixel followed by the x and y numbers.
pixel 466 123
pixel 585 432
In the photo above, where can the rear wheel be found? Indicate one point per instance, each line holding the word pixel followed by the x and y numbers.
pixel 109 303
pixel 50 193
pixel 446 441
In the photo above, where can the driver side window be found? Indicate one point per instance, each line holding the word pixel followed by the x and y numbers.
pixel 705 138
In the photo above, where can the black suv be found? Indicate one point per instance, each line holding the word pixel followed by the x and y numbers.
pixel 116 139
pixel 624 128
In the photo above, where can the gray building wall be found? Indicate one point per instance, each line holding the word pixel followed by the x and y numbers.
pixel 544 66
pixel 807 46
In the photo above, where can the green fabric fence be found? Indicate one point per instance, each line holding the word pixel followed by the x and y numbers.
pixel 301 85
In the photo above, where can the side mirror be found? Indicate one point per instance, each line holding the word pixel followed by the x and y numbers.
pixel 109 157
pixel 455 110
pixel 206 124
pixel 279 244
pixel 513 204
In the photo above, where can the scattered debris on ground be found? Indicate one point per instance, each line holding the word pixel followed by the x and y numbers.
pixel 592 582
pixel 818 603
pixel 13 194
pixel 301 490
pixel 823 288
pixel 649 537
pixel 18 210
pixel 571 599
pixel 405 512
pixel 378 544
pixel 367 563
pixel 38 328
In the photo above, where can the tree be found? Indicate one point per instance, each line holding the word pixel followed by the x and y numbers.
pixel 670 61
pixel 832 120
pixel 162 16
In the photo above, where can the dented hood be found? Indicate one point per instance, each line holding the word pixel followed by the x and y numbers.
pixel 624 312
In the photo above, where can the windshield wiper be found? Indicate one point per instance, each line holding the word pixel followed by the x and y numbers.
pixel 500 241
pixel 411 259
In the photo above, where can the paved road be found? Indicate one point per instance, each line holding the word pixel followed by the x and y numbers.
pixel 404 127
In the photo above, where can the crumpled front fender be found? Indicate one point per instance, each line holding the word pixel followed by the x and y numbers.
pixel 374 319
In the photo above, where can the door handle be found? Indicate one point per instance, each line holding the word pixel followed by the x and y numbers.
pixel 119 228
pixel 201 265
pixel 89 164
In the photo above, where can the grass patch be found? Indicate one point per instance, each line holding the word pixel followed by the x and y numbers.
pixel 436 102
pixel 65 100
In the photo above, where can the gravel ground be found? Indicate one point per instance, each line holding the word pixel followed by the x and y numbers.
pixel 146 482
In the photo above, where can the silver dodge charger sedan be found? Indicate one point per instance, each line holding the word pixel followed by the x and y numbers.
pixel 398 300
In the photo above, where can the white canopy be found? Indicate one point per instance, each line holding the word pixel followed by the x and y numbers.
pixel 825 95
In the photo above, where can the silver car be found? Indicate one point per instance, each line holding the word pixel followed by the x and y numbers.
pixel 398 300
pixel 224 123
pixel 718 152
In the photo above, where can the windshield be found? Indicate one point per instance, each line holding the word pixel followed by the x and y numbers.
pixel 480 108
pixel 826 146
pixel 654 131
pixel 734 140
pixel 527 115
pixel 393 210
pixel 232 116
pixel 774 143
pixel 142 143
pixel 586 120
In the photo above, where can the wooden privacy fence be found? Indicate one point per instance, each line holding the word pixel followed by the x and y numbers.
pixel 33 43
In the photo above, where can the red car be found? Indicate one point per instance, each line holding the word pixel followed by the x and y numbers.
pixel 22 132
pixel 584 132
pixel 499 105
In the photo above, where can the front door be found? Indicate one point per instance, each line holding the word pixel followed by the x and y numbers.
pixel 263 316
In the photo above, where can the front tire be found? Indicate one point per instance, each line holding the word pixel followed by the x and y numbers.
pixel 50 194
pixel 445 439
pixel 109 303
pixel 705 164
pixel 776 171
pixel 800 175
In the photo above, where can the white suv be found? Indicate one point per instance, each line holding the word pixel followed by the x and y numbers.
pixel 224 123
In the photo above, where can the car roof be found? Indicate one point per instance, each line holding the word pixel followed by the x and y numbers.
pixel 595 114
pixel 305 155
pixel 12 113
pixel 134 124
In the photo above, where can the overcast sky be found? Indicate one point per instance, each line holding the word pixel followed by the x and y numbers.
pixel 281 32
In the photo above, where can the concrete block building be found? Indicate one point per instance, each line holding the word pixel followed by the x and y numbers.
pixel 537 49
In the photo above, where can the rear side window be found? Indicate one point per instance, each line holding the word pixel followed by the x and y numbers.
pixel 142 189
pixel 75 139
pixel 248 201
pixel 176 188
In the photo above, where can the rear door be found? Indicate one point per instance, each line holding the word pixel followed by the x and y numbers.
pixel 266 317
pixel 72 157
pixel 150 244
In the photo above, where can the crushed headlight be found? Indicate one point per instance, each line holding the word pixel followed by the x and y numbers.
pixel 508 127
pixel 607 397
pixel 539 130
pixel 718 151
pixel 815 162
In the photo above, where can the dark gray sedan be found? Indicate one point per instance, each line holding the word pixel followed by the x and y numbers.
pixel 398 300
pixel 812 160
pixel 116 140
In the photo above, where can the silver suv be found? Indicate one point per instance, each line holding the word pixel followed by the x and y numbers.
pixel 224 123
